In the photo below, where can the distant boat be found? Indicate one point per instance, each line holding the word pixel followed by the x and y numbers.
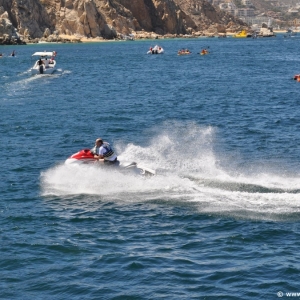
pixel 184 52
pixel 204 52
pixel 290 33
pixel 46 64
pixel 156 50
pixel 266 30
pixel 242 34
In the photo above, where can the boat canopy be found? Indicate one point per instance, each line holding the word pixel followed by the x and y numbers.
pixel 43 53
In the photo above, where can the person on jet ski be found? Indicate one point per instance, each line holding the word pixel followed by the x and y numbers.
pixel 104 153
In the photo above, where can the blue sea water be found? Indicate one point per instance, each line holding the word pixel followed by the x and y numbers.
pixel 220 220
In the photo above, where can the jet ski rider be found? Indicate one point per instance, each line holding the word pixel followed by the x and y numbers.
pixel 104 153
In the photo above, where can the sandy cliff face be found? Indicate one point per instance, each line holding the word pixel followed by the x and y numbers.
pixel 105 18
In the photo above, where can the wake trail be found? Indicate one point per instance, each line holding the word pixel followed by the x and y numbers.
pixel 188 171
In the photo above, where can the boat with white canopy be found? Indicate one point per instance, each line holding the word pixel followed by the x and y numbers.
pixel 46 64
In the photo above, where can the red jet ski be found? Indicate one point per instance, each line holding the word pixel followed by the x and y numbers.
pixel 85 156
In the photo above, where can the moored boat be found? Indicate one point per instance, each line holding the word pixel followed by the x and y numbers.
pixel 242 34
pixel 266 30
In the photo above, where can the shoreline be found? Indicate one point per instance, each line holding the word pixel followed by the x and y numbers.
pixel 153 36
pixel 139 37
pixel 64 38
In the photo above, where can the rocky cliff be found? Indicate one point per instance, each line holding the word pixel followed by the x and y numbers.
pixel 209 19
pixel 108 19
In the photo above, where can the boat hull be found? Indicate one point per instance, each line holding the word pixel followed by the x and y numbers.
pixel 45 70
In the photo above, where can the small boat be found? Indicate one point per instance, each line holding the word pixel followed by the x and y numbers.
pixel 156 50
pixel 266 30
pixel 290 33
pixel 85 156
pixel 46 64
pixel 204 52
pixel 242 34
pixel 184 52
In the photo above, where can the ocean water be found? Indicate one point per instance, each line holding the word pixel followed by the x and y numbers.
pixel 221 218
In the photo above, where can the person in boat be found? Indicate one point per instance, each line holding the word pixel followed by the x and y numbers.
pixel 41 66
pixel 52 58
pixel 104 153
pixel 46 62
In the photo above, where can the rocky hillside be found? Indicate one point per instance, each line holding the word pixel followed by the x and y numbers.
pixel 29 20
pixel 209 18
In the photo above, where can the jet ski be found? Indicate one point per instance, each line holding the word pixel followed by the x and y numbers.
pixel 85 156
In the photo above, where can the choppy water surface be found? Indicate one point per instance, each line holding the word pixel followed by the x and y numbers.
pixel 221 218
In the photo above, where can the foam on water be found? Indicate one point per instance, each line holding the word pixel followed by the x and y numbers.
pixel 187 169
pixel 26 81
